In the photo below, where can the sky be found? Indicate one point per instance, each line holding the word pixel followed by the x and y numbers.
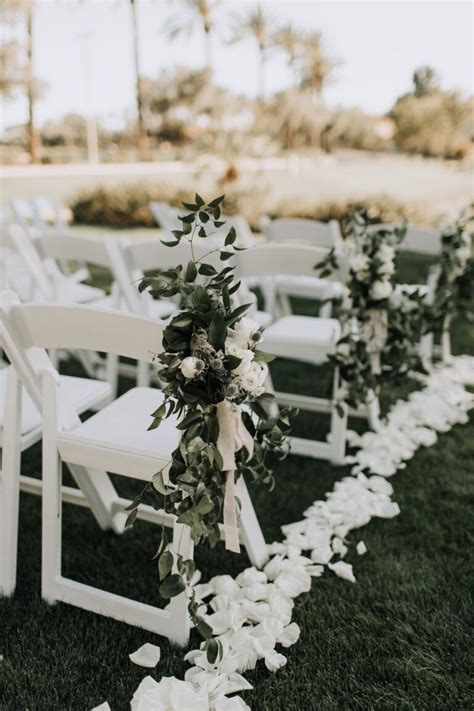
pixel 83 51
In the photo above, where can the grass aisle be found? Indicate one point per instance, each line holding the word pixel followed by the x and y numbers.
pixel 397 639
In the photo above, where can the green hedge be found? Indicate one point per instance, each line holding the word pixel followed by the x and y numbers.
pixel 127 206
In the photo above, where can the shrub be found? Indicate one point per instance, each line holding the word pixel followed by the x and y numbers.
pixel 123 205
pixel 127 206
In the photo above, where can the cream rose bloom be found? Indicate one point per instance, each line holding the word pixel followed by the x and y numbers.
pixel 381 290
pixel 243 331
pixel 191 366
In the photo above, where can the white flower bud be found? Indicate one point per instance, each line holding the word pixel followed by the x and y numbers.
pixel 191 366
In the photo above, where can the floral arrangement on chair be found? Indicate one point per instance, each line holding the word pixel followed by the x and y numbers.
pixel 214 383
pixel 379 333
pixel 454 272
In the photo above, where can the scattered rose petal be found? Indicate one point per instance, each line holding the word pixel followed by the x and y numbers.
pixel 148 655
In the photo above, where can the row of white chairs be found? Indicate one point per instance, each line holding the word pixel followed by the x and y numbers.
pixel 94 448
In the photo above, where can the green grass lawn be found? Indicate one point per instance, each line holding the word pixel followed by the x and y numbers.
pixel 397 639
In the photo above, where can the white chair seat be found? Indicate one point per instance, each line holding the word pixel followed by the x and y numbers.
pixel 120 429
pixel 304 338
pixel 309 287
pixel 81 393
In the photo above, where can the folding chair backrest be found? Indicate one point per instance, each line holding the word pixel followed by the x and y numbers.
pixel 85 249
pixel 49 214
pixel 32 328
pixel 24 213
pixel 165 216
pixel 421 241
pixel 25 247
pixel 300 230
pixel 281 259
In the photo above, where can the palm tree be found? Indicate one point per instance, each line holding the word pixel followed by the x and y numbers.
pixel 259 25
pixel 290 41
pixel 143 149
pixel 202 12
pixel 25 9
pixel 316 65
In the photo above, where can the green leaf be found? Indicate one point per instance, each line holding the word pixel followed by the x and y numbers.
pixel 217 201
pixel 212 651
pixel 170 244
pixel 131 518
pixel 217 331
pixel 237 313
pixel 207 269
pixel 223 256
pixel 201 299
pixel 190 206
pixel 191 272
pixel 231 237
pixel 199 200
pixel 172 586
pixel 203 628
pixel 233 362
pixel 263 357
pixel 165 564
pixel 188 219
pixel 203 216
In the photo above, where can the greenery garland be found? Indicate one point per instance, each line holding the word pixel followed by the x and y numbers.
pixel 209 355
pixel 381 327
pixel 455 272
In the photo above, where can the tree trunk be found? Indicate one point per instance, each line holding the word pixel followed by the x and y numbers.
pixel 261 78
pixel 208 49
pixel 143 150
pixel 30 87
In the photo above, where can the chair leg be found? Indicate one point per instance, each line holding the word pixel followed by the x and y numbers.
pixel 250 530
pixel 143 374
pixel 10 486
pixel 338 425
pixel 178 606
pixel 326 310
pixel 52 509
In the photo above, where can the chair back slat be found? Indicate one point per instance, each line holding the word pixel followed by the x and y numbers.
pixel 93 251
pixel 87 328
pixel 301 230
pixel 281 259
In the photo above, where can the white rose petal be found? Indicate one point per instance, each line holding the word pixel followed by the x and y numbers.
pixel 361 548
pixel 274 661
pixel 148 655
pixel 343 570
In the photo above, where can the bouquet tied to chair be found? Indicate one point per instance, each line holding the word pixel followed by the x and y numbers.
pixel 213 376
pixel 381 326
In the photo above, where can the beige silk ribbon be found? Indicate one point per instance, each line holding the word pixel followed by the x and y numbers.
pixel 233 435
pixel 374 333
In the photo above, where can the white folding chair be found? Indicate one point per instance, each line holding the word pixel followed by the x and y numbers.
pixel 309 232
pixel 20 428
pixel 114 440
pixel 305 339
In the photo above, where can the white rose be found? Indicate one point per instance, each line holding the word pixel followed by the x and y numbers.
pixel 191 366
pixel 359 264
pixel 244 330
pixel 387 268
pixel 252 381
pixel 381 290
pixel 464 254
pixel 386 253
pixel 245 362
